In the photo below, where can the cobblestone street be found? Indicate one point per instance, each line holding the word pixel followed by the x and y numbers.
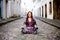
pixel 12 31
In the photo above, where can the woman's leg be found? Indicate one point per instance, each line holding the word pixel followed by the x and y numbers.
pixel 35 30
pixel 24 30
pixel 30 29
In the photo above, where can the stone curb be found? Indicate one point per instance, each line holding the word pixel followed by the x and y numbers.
pixel 5 22
pixel 49 23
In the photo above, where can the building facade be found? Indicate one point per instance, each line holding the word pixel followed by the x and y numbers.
pixel 45 7
pixel 49 9
pixel 9 8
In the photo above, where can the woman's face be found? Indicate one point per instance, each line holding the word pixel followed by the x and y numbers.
pixel 29 15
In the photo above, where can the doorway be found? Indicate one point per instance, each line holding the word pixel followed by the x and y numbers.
pixel 42 11
pixel 45 11
pixel 0 9
pixel 0 12
pixel 56 9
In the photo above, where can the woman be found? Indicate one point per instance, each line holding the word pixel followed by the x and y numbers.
pixel 30 23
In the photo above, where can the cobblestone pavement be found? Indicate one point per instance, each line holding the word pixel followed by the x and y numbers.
pixel 12 31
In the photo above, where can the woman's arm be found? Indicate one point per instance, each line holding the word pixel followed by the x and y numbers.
pixel 35 23
pixel 24 24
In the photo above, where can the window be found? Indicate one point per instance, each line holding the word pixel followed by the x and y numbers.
pixel 42 11
pixel 45 11
pixel 6 1
pixel 50 7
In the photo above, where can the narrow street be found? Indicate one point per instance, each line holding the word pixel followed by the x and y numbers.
pixel 12 31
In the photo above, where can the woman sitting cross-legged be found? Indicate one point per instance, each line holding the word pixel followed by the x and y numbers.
pixel 30 24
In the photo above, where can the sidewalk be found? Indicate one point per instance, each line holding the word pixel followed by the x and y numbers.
pixel 55 22
pixel 4 21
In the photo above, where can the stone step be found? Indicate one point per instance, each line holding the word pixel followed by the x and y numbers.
pixel 7 20
pixel 55 23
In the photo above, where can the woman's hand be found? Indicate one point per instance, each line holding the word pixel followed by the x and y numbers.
pixel 35 26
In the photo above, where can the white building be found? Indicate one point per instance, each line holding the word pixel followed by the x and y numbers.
pixel 45 8
pixel 39 8
pixel 10 8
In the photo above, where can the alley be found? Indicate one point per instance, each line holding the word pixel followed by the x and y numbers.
pixel 12 31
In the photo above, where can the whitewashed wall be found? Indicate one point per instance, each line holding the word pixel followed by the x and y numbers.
pixel 9 9
pixel 16 7
pixel 13 7
pixel 42 3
